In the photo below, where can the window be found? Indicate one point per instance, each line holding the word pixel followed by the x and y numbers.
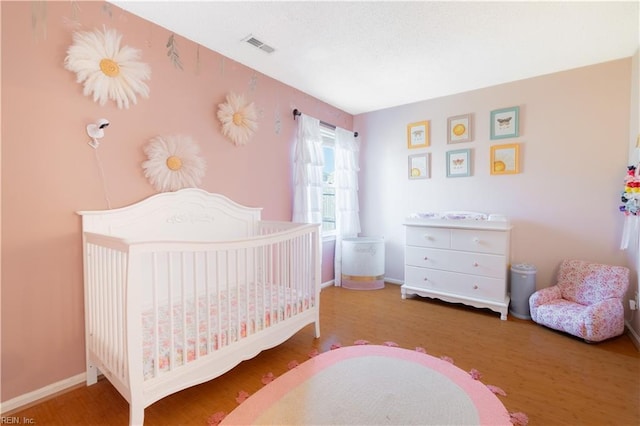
pixel 328 182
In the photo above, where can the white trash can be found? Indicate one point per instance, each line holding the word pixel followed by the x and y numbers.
pixel 523 284
pixel 363 263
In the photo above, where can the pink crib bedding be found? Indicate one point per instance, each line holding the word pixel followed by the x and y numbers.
pixel 230 318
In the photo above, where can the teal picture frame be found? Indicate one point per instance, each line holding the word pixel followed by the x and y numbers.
pixel 505 123
pixel 459 163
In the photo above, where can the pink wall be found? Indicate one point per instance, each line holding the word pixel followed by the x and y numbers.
pixel 49 172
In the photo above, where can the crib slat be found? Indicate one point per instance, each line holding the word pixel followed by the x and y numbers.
pixel 156 314
pixel 236 281
pixel 170 305
pixel 221 279
pixel 112 332
pixel 273 283
pixel 196 307
pixel 247 284
pixel 256 283
pixel 266 285
pixel 119 323
pixel 207 292
pixel 184 306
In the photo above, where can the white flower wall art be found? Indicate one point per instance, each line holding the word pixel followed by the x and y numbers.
pixel 173 163
pixel 107 70
pixel 239 119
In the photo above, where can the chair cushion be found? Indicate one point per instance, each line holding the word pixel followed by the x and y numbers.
pixel 587 283
pixel 564 316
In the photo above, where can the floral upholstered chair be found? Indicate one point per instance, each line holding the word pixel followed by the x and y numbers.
pixel 585 302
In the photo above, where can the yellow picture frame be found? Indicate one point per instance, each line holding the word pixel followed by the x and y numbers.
pixel 505 159
pixel 418 134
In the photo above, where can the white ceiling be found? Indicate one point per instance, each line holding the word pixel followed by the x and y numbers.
pixel 368 55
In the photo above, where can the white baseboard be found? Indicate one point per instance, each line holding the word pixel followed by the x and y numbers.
pixel 42 393
pixel 327 284
pixel 635 338
pixel 392 281
pixel 387 280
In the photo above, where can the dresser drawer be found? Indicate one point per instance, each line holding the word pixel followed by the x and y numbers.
pixel 490 265
pixel 454 283
pixel 428 237
pixel 480 241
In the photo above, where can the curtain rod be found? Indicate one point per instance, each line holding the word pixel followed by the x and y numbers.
pixel 296 112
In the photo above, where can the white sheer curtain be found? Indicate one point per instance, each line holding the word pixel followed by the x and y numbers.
pixel 346 182
pixel 308 165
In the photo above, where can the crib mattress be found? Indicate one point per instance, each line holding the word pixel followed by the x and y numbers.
pixel 206 323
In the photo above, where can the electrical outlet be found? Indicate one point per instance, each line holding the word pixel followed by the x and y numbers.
pixel 635 302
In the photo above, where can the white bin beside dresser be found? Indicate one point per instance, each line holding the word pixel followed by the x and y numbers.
pixel 460 261
pixel 363 263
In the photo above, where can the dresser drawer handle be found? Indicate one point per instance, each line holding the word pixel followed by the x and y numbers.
pixel 425 279
pixel 427 237
pixel 475 287
pixel 476 240
pixel 426 258
pixel 475 264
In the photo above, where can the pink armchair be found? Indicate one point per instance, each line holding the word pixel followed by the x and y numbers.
pixel 585 302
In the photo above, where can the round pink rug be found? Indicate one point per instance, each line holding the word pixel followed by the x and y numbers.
pixel 372 385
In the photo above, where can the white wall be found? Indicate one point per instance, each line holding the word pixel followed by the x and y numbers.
pixel 574 128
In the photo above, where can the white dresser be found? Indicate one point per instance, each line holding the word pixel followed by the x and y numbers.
pixel 461 261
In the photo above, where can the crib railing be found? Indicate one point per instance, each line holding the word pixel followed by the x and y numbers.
pixel 105 295
pixel 152 307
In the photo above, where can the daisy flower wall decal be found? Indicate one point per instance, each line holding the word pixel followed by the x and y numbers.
pixel 107 70
pixel 238 118
pixel 173 163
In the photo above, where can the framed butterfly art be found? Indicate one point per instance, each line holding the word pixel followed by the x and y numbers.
pixel 459 163
pixel 505 123
pixel 418 134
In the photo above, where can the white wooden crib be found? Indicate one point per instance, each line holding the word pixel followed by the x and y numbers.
pixel 181 287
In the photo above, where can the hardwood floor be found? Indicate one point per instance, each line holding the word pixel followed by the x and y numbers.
pixel 553 378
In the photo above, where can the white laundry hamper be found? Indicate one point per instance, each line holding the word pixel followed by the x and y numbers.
pixel 363 263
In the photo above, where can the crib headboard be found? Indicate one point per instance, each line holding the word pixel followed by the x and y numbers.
pixel 186 215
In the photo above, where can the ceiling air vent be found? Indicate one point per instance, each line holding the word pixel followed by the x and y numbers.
pixel 260 45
